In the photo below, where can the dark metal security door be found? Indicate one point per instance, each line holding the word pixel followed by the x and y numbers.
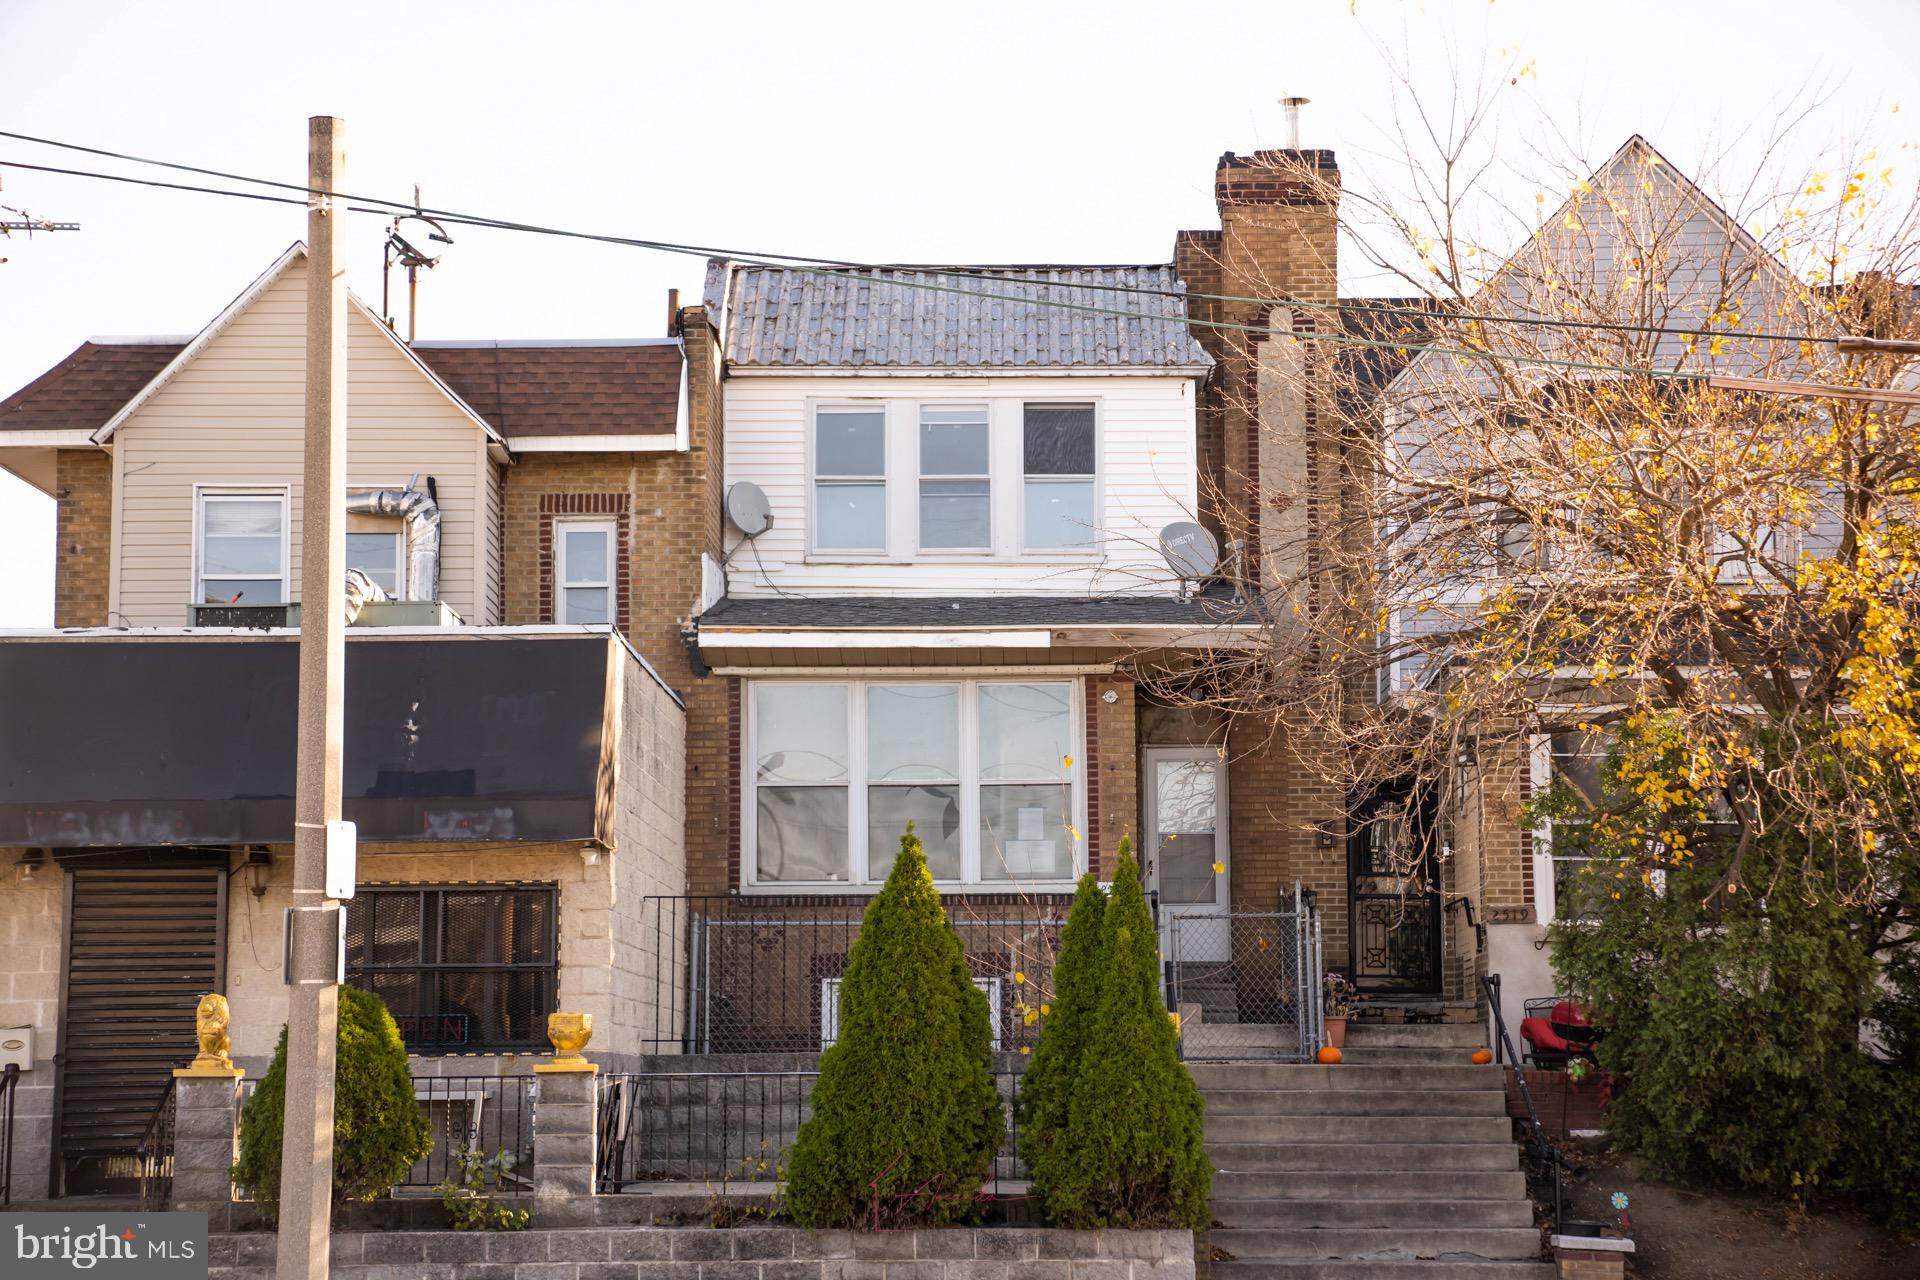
pixel 144 943
pixel 1393 898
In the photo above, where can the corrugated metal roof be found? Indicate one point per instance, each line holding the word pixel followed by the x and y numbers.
pixel 928 318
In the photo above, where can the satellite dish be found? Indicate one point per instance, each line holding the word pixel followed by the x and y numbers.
pixel 747 508
pixel 1190 550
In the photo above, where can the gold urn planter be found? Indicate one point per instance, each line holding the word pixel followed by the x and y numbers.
pixel 569 1033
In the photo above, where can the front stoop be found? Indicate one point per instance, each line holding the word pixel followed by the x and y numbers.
pixel 1399 1164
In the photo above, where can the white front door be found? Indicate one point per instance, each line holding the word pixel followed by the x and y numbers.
pixel 1186 848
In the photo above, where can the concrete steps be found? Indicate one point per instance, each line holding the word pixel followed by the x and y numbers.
pixel 1397 1164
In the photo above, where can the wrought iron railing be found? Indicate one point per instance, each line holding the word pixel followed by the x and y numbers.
pixel 155 1153
pixel 1543 1159
pixel 485 1114
pixel 9 1089
pixel 761 975
pixel 729 1127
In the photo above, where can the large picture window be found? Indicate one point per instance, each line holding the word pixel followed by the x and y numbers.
pixel 982 768
pixel 463 968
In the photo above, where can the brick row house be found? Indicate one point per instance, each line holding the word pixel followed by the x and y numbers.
pixel 682 632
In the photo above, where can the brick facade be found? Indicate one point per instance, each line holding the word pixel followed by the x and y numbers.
pixel 83 536
pixel 1113 770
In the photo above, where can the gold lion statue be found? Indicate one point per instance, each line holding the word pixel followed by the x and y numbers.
pixel 210 1024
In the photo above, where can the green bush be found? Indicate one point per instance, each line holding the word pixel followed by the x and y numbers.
pixel 906 1119
pixel 1046 1088
pixel 1132 1153
pixel 378 1131
pixel 469 1194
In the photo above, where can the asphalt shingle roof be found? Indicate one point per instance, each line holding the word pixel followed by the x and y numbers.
pixel 87 388
pixel 927 318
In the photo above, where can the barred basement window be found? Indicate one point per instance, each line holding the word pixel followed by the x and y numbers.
pixel 463 969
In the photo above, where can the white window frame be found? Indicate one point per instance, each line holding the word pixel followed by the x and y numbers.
pixel 900 478
pixel 264 492
pixel 920 477
pixel 562 584
pixel 889 454
pixel 858 854
pixel 1546 898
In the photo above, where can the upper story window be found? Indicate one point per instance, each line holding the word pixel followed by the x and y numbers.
pixel 1005 477
pixel 850 479
pixel 956 479
pixel 983 769
pixel 377 554
pixel 1058 453
pixel 583 571
pixel 242 552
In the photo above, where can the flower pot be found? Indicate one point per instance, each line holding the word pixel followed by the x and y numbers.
pixel 1337 1032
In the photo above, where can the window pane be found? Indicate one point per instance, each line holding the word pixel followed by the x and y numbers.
pixel 954 513
pixel 241 517
pixel 1059 440
pixel 225 555
pixel 584 556
pixel 378 556
pixel 801 833
pixel 850 516
pixel 800 733
pixel 1024 732
pixel 1186 811
pixel 913 732
pixel 1186 868
pixel 1059 513
pixel 850 442
pixel 586 605
pixel 241 591
pixel 935 814
pixel 953 443
pixel 1577 758
pixel 1023 833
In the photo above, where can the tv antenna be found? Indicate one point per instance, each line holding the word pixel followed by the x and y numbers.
pixel 401 250
pixel 12 220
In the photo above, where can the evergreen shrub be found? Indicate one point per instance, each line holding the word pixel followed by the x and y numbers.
pixel 1046 1087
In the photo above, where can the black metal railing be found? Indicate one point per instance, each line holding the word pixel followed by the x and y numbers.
pixel 729 1127
pixel 1543 1159
pixel 483 1114
pixel 155 1153
pixel 761 975
pixel 9 1089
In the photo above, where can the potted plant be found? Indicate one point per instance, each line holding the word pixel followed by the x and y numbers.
pixel 1341 997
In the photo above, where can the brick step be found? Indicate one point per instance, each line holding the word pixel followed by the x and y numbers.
pixel 1362 1130
pixel 1517 1243
pixel 1374 1184
pixel 1462 1035
pixel 1286 1075
pixel 1350 1157
pixel 1443 1212
pixel 1352 1102
pixel 1379 1269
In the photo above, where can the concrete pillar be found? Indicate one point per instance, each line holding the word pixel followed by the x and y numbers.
pixel 566 1125
pixel 205 1143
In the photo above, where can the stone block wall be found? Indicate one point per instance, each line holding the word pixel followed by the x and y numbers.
pixel 648 860
pixel 30 912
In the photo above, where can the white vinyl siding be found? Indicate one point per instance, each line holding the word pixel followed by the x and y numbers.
pixel 233 418
pixel 1145 480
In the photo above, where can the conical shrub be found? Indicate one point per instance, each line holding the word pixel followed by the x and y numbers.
pixel 906 1120
pixel 1132 1153
pixel 1046 1088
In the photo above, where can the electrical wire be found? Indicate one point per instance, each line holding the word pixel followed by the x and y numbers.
pixel 771 258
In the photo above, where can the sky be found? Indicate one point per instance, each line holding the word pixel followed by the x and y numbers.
pixel 1043 131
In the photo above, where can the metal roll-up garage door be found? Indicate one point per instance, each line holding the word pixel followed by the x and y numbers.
pixel 144 943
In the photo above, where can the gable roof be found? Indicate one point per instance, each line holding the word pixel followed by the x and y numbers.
pixel 927 318
pixel 87 388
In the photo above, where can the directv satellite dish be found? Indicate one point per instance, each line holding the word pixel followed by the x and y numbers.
pixel 747 508
pixel 1190 550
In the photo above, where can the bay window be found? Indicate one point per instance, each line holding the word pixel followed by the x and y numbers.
pixel 982 768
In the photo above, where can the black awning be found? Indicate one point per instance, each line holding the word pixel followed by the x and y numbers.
pixel 113 741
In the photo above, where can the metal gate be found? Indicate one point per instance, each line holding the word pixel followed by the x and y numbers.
pixel 1262 1003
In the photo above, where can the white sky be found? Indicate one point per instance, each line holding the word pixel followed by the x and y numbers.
pixel 983 132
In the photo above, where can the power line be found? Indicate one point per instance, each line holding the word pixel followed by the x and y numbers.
pixel 957 273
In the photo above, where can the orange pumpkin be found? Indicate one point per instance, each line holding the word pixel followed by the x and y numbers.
pixel 1329 1054
pixel 1481 1057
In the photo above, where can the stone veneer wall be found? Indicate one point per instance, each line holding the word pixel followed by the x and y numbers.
pixel 756 1253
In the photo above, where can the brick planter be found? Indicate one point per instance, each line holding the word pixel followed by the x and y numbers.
pixel 751 1253
pixel 1562 1105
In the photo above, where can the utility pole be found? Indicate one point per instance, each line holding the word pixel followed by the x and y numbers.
pixel 306 1161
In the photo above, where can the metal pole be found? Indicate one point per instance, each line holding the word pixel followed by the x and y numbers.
pixel 306 1165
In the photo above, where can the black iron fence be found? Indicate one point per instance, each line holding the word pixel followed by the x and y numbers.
pixel 154 1157
pixel 728 1127
pixel 762 975
pixel 1543 1160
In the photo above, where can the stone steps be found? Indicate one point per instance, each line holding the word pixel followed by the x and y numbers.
pixel 1372 1184
pixel 1406 1212
pixel 1379 1269
pixel 1374 1055
pixel 1351 1102
pixel 1365 1130
pixel 1421 1035
pixel 1370 1078
pixel 1350 1157
pixel 1492 1243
